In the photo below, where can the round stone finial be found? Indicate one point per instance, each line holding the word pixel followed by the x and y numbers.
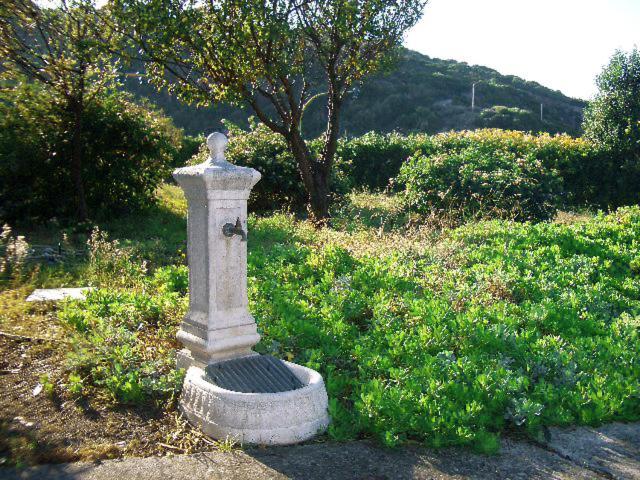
pixel 217 144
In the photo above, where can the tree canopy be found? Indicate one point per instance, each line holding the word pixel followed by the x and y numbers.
pixel 612 120
pixel 613 117
pixel 274 57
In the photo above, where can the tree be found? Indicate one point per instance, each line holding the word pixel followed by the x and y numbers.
pixel 60 47
pixel 612 120
pixel 131 146
pixel 274 56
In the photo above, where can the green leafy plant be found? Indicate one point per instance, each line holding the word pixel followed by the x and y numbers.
pixel 490 327
pixel 60 47
pixel 280 186
pixel 498 325
pixel 124 334
pixel 128 149
pixel 373 159
pixel 478 184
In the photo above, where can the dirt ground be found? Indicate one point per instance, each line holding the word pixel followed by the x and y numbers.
pixel 47 427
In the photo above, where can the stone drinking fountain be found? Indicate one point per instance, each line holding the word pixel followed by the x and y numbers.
pixel 229 390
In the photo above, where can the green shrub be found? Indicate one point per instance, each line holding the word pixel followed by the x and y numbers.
pixel 578 161
pixel 172 278
pixel 480 183
pixel 511 118
pixel 189 147
pixel 259 148
pixel 128 149
pixel 280 185
pixel 374 158
pixel 124 342
pixel 589 175
pixel 497 326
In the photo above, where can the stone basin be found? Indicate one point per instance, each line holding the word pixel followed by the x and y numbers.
pixel 279 418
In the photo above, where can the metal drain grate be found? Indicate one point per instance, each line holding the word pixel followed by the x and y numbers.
pixel 255 374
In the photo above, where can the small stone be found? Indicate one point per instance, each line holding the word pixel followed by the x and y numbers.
pixel 37 390
pixel 23 422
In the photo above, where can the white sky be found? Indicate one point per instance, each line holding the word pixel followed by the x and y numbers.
pixel 562 44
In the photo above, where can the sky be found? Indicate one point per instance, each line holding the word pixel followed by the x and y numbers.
pixel 561 44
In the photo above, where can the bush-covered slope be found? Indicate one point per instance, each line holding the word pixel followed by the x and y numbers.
pixel 420 94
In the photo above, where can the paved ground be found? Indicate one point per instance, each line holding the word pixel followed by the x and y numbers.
pixel 610 452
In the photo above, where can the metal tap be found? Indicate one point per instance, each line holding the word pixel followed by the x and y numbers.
pixel 229 230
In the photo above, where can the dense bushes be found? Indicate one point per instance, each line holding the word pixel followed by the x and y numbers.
pixel 259 148
pixel 374 158
pixel 519 175
pixel 281 185
pixel 578 162
pixel 483 172
pixel 128 148
pixel 490 327
pixel 512 118
pixel 478 183
pixel 124 333
pixel 590 176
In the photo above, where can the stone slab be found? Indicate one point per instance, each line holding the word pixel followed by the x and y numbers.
pixel 326 461
pixel 613 450
pixel 57 294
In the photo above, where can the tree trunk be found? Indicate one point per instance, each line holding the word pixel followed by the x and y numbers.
pixel 315 177
pixel 320 197
pixel 76 163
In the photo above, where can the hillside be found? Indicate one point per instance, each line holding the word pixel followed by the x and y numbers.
pixel 421 94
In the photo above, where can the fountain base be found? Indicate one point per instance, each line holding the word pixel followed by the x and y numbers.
pixel 273 418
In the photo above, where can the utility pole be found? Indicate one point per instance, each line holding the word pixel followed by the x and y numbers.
pixel 473 97
pixel 541 112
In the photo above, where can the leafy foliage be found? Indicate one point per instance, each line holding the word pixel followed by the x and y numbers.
pixel 259 148
pixel 129 148
pixel 587 173
pixel 480 184
pixel 58 45
pixel 374 158
pixel 275 58
pixel 612 120
pixel 512 118
pixel 124 339
pixel 497 326
pixel 61 47
pixel 280 186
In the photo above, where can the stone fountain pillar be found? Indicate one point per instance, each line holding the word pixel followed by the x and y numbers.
pixel 229 390
pixel 218 324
